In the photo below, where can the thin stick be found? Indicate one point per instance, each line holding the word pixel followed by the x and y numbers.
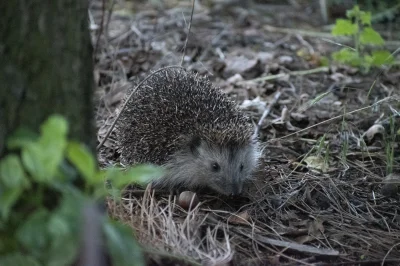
pixel 336 117
pixel 292 73
pixel 127 100
pixel 266 112
pixel 187 37
pixel 325 35
pixel 103 11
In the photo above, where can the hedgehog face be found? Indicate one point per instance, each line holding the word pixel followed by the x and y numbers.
pixel 223 168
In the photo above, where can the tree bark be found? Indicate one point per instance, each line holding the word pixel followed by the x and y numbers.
pixel 45 66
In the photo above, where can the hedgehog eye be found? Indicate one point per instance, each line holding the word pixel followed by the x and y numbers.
pixel 215 167
pixel 241 167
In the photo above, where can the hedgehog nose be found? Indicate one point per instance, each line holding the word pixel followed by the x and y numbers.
pixel 235 190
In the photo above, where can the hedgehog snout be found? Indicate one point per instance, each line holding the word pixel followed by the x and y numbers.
pixel 236 189
pixel 232 187
pixel 225 187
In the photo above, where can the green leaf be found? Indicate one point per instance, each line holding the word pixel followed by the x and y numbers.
pixel 115 194
pixel 34 163
pixel 140 174
pixel 54 129
pixel 53 142
pixel 381 57
pixel 99 192
pixel 63 248
pixel 33 234
pixel 58 226
pixel 7 200
pixel 18 259
pixel 366 18
pixel 370 36
pixel 21 137
pixel 43 158
pixel 84 161
pixel 70 209
pixel 347 56
pixel 68 174
pixel 12 173
pixel 354 12
pixel 65 229
pixel 63 252
pixel 324 61
pixel 123 248
pixel 344 27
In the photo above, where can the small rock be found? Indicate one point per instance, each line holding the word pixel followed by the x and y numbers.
pixel 374 130
pixel 285 59
pixel 391 185
pixel 265 57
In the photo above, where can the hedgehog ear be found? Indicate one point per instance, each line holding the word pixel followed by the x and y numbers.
pixel 194 144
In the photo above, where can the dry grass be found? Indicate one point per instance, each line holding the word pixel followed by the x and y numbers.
pixel 339 215
pixel 162 225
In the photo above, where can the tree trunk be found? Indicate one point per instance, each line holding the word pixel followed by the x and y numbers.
pixel 45 66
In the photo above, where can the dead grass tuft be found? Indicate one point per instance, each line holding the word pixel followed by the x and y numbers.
pixel 161 224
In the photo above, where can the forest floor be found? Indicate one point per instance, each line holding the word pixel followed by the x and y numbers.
pixel 323 194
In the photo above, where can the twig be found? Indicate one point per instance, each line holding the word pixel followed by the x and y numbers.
pixel 127 100
pixel 384 258
pixel 187 37
pixel 265 245
pixel 359 262
pixel 297 31
pixel 292 73
pixel 336 117
pixel 110 11
pixel 267 111
pixel 319 34
pixel 298 247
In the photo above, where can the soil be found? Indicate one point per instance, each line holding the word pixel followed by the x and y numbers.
pixel 327 190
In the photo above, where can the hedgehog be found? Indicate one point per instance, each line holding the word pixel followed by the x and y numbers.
pixel 176 119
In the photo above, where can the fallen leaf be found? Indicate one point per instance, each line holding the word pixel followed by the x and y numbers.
pixel 240 218
pixel 316 162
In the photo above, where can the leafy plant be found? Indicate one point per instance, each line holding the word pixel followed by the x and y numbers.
pixel 358 25
pixel 44 185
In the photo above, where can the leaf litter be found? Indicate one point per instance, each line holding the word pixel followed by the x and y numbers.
pixel 322 194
